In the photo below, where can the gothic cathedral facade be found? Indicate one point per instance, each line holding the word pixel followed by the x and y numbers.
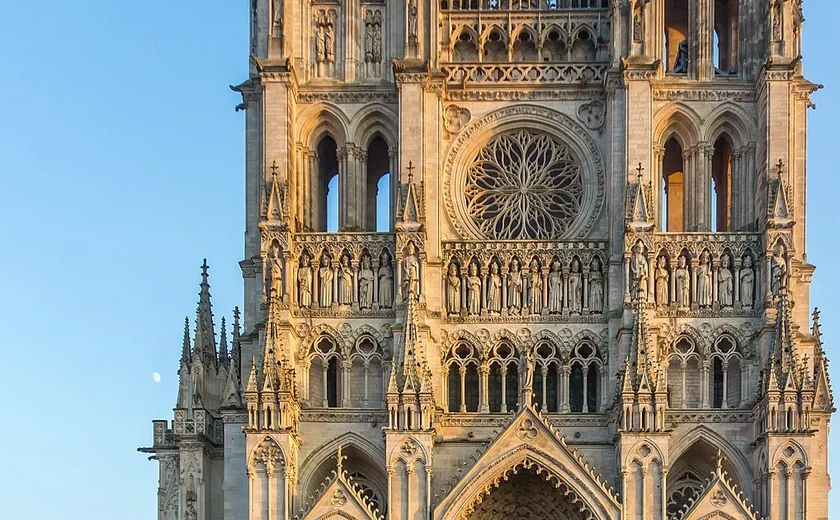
pixel 511 259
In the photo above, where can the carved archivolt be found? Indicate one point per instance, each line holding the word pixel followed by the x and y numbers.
pixel 505 182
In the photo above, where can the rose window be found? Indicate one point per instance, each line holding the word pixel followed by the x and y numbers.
pixel 524 185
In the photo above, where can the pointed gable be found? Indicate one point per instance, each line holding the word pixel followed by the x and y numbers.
pixel 720 501
pixel 340 500
pixel 529 441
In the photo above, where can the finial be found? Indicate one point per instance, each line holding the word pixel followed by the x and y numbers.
pixel 204 268
pixel 341 458
pixel 186 349
pixel 639 171
pixel 780 166
pixel 410 172
pixel 274 168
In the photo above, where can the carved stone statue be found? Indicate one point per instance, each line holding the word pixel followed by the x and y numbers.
pixel 747 283
pixel 575 288
pixel 683 283
pixel 320 37
pixel 494 290
pixel 514 288
pixel 778 272
pixel 412 21
pixel 663 279
pixel 474 291
pixel 377 39
pixel 725 284
pixel 704 281
pixel 453 290
pixel 275 270
pixel 596 286
pixel 277 13
pixel 639 273
pixel 555 288
pixel 305 282
pixel 369 36
pixel 329 38
pixel 411 272
pixel 535 288
pixel 386 282
pixel 325 281
pixel 366 284
pixel 345 281
pixel 526 360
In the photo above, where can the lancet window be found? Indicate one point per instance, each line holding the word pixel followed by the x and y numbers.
pixel 721 179
pixel 378 186
pixel 673 185
pixel 728 374
pixel 715 379
pixel 462 366
pixel 549 374
pixel 726 36
pixel 504 379
pixel 350 380
pixel 585 366
pixel 326 187
pixel 684 365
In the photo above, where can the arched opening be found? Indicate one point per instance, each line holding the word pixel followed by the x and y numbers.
pixel 721 194
pixel 526 494
pixel 686 478
pixel 676 36
pixel 554 46
pixel 673 186
pixel 454 384
pixel 465 48
pixel 326 197
pixel 367 375
pixel 361 463
pixel 495 47
pixel 462 379
pixel 583 48
pixel 378 187
pixel 324 374
pixel 503 379
pixel 726 36
pixel 684 375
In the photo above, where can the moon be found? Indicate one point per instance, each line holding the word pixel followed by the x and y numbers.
pixel 155 377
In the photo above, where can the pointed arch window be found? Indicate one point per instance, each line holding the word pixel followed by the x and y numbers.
pixel 676 36
pixel 673 188
pixel 326 187
pixel 378 186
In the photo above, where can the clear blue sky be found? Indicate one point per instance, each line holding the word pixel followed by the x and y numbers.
pixel 121 161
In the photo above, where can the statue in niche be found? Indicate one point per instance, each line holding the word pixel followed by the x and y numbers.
pixel 369 36
pixel 575 288
pixel 683 283
pixel 412 21
pixel 325 280
pixel 725 284
pixel 345 281
pixel 494 290
pixel 535 287
pixel 329 38
pixel 704 281
pixel 681 61
pixel 275 270
pixel 662 280
pixel 555 288
pixel 197 374
pixel 366 284
pixel 411 272
pixel 637 23
pixel 377 40
pixel 474 291
pixel 321 36
pixel 596 286
pixel 778 272
pixel 386 282
pixel 747 283
pixel 453 290
pixel 277 13
pixel 526 361
pixel 639 273
pixel 514 288
pixel 305 281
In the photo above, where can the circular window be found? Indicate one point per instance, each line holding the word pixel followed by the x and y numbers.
pixel 524 185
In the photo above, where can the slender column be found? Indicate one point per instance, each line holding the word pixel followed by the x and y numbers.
pixel 463 371
pixel 643 491
pixel 626 278
pixel 483 405
pixel 409 472
pixel 503 275
pixel 566 370
pixel 346 371
pixel 791 493
pixel 743 402
pixel 724 367
pixel 544 373
pixel 683 366
pixel 585 371
pixel 603 399
pixel 693 298
pixel 673 280
pixel 585 288
pixel 736 282
pixel 428 492
pixel 366 400
pixel 325 365
pixel 704 385
pixel 651 259
pixel 504 388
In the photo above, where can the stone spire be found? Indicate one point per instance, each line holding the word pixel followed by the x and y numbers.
pixel 823 395
pixel 205 334
pixel 236 350
pixel 224 360
pixel 186 350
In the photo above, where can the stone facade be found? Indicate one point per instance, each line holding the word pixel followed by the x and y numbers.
pixel 592 298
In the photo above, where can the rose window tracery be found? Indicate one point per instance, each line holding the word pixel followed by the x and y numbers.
pixel 524 185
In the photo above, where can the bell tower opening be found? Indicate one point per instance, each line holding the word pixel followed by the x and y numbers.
pixel 673 181
pixel 676 36
pixel 726 36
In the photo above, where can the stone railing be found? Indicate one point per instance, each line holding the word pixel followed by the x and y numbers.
pixel 524 73
pixel 199 422
pixel 340 273
pixel 529 281
pixel 697 272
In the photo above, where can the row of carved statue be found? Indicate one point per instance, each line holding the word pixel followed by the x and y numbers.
pixel 522 291
pixel 703 283
pixel 325 283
